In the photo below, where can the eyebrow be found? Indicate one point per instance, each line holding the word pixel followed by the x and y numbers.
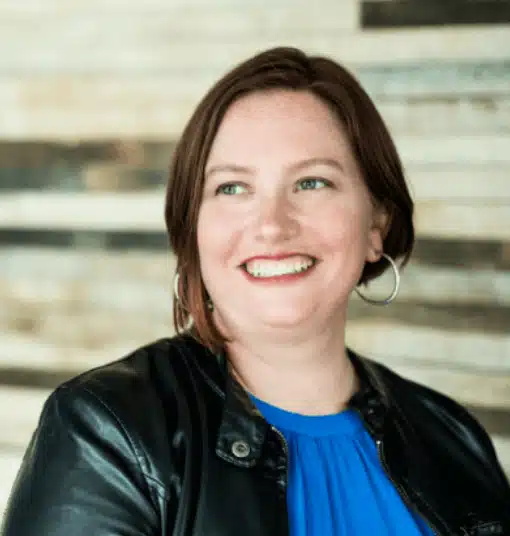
pixel 231 168
pixel 297 166
pixel 332 162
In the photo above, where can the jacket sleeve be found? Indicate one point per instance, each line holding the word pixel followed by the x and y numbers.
pixel 80 475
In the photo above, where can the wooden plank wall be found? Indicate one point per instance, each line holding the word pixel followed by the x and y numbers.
pixel 94 95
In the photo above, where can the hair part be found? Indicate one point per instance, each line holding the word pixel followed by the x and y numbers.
pixel 371 143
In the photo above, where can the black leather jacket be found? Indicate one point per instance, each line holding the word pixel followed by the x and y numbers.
pixel 165 442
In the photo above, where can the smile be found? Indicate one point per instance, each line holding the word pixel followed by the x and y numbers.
pixel 267 268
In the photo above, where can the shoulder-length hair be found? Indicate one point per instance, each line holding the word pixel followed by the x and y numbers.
pixel 371 143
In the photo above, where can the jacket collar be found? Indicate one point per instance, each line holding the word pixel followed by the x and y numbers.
pixel 243 429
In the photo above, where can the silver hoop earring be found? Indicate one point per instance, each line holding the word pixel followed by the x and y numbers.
pixel 209 302
pixel 176 289
pixel 396 287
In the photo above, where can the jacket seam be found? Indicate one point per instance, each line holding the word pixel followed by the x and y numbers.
pixel 184 354
pixel 138 455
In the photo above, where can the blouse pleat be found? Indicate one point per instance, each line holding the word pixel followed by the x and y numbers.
pixel 337 485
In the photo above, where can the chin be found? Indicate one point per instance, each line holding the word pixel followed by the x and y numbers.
pixel 283 319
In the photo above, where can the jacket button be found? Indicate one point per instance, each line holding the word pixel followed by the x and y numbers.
pixel 240 449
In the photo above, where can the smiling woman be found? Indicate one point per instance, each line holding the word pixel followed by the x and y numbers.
pixel 285 195
pixel 273 126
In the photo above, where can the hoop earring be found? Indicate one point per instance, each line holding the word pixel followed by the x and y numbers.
pixel 396 287
pixel 209 302
pixel 176 290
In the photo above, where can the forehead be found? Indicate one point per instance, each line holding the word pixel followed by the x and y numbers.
pixel 278 121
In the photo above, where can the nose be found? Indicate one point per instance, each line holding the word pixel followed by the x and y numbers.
pixel 276 220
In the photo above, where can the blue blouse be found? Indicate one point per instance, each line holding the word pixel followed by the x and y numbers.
pixel 336 483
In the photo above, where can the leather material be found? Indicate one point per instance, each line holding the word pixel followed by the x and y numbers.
pixel 165 442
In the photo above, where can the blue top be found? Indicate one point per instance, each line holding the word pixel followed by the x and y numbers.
pixel 336 484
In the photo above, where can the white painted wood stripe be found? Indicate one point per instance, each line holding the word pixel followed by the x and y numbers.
pixel 179 20
pixel 478 351
pixel 19 414
pixel 99 337
pixel 73 109
pixel 458 150
pixel 428 284
pixel 476 219
pixel 459 184
pixel 466 386
pixel 439 115
pixel 50 354
pixel 502 446
pixel 95 49
pixel 95 107
pixel 133 7
pixel 9 464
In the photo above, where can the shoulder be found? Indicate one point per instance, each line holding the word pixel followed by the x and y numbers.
pixel 411 396
pixel 103 434
pixel 139 394
pixel 439 419
pixel 157 369
pixel 130 406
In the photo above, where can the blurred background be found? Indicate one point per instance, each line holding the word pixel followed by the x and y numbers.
pixel 93 96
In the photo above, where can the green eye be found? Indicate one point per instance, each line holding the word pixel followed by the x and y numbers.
pixel 230 188
pixel 312 183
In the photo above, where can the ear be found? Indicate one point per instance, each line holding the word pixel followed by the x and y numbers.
pixel 377 233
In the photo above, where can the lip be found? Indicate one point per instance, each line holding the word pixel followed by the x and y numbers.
pixel 277 257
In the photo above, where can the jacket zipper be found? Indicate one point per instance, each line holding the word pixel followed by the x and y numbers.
pixel 286 450
pixel 403 493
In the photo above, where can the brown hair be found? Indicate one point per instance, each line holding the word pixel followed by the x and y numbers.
pixel 373 147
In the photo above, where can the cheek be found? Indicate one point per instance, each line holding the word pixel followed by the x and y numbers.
pixel 216 236
pixel 343 225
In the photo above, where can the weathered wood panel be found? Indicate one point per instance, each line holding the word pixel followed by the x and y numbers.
pixel 466 386
pixel 94 49
pixel 104 109
pixel 483 352
pixel 455 97
pixel 173 22
pixel 118 281
pixel 459 184
pixel 68 309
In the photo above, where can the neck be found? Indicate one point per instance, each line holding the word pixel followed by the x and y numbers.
pixel 313 377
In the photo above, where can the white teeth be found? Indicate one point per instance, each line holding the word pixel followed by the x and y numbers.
pixel 268 268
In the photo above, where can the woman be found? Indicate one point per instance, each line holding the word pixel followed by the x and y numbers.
pixel 286 193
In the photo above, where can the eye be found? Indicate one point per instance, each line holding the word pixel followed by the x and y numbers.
pixel 312 183
pixel 230 188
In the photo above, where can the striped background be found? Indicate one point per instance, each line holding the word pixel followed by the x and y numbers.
pixel 94 95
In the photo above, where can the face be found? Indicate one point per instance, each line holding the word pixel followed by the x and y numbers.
pixel 286 222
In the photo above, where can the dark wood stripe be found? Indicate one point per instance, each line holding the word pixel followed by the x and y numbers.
pixel 30 378
pixel 402 13
pixel 448 253
pixel 463 253
pixel 462 318
pixel 495 421
pixel 109 241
